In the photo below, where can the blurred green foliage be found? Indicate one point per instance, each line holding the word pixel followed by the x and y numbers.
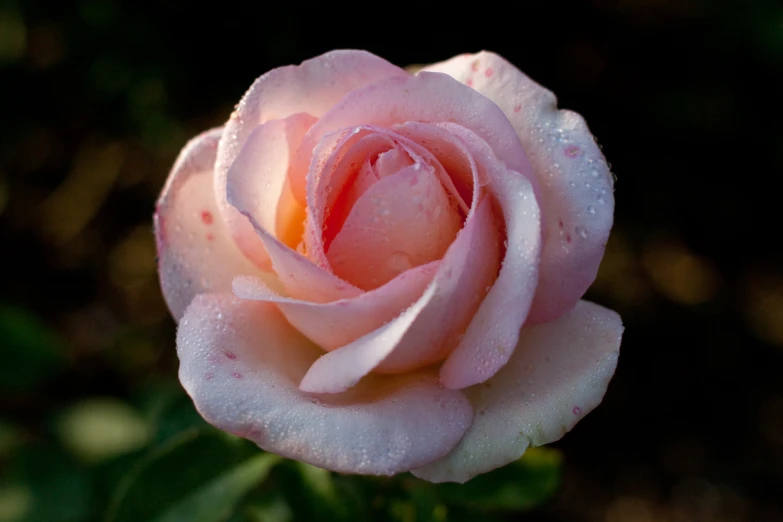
pixel 30 352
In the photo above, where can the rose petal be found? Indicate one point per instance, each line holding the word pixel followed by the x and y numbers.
pixel 300 277
pixel 423 333
pixel 195 251
pixel 341 155
pixel 334 163
pixel 490 339
pixel 558 373
pixel 427 97
pixel 392 161
pixel 241 362
pixel 257 179
pixel 573 182
pixel 404 220
pixel 335 324
pixel 313 88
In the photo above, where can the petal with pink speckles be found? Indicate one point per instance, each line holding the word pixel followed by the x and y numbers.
pixel 571 177
pixel 559 372
pixel 196 253
pixel 241 362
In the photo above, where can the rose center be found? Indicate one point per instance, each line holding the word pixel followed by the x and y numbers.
pixel 393 214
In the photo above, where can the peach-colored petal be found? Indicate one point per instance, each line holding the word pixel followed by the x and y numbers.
pixel 403 220
pixel 301 278
pixel 241 363
pixel 492 334
pixel 335 324
pixel 558 373
pixel 257 178
pixel 424 332
pixel 312 88
pixel 195 250
pixel 572 179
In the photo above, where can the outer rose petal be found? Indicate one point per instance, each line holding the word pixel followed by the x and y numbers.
pixel 573 182
pixel 335 324
pixel 558 373
pixel 313 88
pixel 195 250
pixel 241 363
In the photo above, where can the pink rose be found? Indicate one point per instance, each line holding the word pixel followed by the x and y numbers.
pixel 377 272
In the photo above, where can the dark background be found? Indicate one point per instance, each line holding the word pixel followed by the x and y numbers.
pixel 97 97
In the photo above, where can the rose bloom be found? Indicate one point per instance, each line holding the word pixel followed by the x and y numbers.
pixel 375 271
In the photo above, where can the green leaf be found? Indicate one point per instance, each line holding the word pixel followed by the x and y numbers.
pixel 216 500
pixel 271 507
pixel 520 486
pixel 199 476
pixel 169 410
pixel 28 348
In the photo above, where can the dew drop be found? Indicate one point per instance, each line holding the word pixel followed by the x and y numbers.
pixel 590 209
pixel 399 262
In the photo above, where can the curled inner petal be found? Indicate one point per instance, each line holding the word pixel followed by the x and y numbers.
pixel 429 328
pixel 344 165
pixel 403 220
pixel 257 184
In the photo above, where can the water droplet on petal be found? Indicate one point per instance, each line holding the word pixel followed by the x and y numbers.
pixel 399 262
